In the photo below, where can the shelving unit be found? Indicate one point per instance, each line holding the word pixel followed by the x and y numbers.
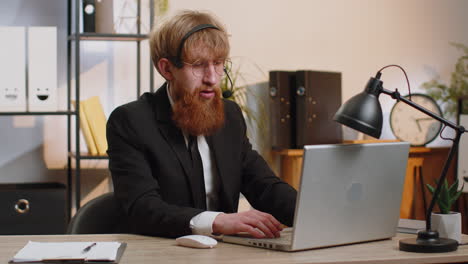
pixel 36 113
pixel 74 40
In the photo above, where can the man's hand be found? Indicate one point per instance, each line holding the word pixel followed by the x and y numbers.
pixel 256 223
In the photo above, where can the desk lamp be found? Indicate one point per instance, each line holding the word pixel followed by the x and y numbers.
pixel 364 113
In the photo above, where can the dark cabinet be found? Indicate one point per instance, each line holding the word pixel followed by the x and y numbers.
pixel 33 209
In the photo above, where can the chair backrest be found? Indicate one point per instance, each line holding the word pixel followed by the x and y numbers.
pixel 102 215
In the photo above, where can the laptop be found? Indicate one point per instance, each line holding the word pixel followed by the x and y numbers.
pixel 348 193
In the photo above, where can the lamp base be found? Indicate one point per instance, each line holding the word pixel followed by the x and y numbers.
pixel 428 241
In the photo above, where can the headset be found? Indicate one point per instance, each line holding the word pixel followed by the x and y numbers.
pixel 177 60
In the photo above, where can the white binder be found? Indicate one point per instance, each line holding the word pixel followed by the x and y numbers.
pixel 12 69
pixel 42 69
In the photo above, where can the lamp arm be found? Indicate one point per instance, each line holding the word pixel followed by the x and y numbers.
pixel 442 177
pixel 396 95
pixel 459 130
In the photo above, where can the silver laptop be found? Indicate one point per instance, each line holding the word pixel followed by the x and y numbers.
pixel 348 193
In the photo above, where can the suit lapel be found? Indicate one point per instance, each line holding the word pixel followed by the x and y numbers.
pixel 173 134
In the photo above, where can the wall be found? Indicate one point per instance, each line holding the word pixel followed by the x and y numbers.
pixel 355 37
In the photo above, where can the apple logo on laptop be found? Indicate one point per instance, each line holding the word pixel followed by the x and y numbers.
pixel 354 192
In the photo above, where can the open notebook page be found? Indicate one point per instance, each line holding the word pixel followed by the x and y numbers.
pixel 37 251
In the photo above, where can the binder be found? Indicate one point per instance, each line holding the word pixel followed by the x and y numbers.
pixel 281 90
pixel 89 16
pixel 42 68
pixel 318 97
pixel 12 69
pixel 86 130
pixel 96 118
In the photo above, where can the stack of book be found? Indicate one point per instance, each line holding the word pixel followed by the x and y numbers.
pixel 93 125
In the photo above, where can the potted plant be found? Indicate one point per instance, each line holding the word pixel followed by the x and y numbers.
pixel 447 222
pixel 457 88
pixel 246 95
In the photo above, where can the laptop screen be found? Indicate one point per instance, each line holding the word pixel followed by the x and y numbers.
pixel 349 193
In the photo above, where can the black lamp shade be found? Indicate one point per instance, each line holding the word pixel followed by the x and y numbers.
pixel 363 113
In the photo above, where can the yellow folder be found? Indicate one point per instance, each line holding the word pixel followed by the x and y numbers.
pixel 84 127
pixel 97 122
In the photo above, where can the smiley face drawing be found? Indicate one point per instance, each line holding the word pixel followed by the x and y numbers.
pixel 11 94
pixel 42 94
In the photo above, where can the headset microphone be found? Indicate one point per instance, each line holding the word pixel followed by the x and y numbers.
pixel 177 60
pixel 228 93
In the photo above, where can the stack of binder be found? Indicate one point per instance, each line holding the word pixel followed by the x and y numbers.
pixel 302 106
pixel 31 52
pixel 93 125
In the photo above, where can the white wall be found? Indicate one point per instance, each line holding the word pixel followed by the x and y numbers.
pixel 355 37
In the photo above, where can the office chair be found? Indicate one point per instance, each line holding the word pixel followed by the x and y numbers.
pixel 102 215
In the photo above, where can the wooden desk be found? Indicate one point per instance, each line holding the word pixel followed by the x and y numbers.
pixel 142 250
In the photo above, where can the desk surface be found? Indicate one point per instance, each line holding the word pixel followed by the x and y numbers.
pixel 142 249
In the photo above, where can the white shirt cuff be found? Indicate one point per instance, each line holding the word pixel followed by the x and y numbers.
pixel 202 223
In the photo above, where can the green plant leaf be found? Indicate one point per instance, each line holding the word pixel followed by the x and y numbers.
pixel 456 196
pixel 453 188
pixel 431 189
pixel 458 86
pixel 255 117
pixel 447 195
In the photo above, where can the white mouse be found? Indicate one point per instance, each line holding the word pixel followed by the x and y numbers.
pixel 196 241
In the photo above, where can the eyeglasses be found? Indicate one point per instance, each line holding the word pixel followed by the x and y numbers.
pixel 199 68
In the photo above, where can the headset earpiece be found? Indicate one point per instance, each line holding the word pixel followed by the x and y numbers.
pixel 177 60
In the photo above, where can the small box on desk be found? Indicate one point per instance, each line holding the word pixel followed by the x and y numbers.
pixel 32 209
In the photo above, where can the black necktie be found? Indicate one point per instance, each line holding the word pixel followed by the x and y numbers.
pixel 198 179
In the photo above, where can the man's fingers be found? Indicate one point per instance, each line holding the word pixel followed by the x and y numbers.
pixel 272 219
pixel 263 223
pixel 263 228
pixel 273 228
pixel 273 225
pixel 256 223
pixel 252 231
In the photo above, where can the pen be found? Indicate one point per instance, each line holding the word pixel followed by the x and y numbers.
pixel 88 248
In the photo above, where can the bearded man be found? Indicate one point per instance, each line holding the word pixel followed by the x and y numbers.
pixel 180 157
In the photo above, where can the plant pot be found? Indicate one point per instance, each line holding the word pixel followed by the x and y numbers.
pixel 448 225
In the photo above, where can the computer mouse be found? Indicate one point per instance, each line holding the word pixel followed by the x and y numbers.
pixel 196 241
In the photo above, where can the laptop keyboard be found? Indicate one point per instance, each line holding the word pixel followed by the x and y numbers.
pixel 284 239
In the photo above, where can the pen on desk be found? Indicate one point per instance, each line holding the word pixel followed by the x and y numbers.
pixel 88 248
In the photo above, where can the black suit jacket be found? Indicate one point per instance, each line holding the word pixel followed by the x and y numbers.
pixel 150 164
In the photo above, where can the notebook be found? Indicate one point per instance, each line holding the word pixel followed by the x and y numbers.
pixel 348 193
pixel 105 252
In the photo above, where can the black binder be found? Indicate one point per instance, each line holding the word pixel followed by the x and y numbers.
pixel 281 113
pixel 89 16
pixel 318 97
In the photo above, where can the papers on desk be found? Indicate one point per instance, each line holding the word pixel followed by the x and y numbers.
pixel 410 226
pixel 50 251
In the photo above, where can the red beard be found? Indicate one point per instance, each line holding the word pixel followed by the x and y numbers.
pixel 196 115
